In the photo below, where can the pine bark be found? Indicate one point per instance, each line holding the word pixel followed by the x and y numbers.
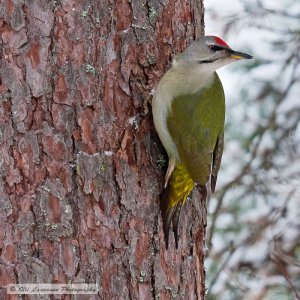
pixel 81 165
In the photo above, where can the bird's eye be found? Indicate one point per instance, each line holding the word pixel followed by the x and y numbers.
pixel 215 48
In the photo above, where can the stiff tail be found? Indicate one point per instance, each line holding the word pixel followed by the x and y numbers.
pixel 174 196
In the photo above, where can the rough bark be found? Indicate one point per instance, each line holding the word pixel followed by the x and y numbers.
pixel 81 164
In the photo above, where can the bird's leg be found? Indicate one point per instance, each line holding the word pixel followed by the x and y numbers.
pixel 202 190
pixel 169 171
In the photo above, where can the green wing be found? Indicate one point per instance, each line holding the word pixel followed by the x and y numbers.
pixel 196 123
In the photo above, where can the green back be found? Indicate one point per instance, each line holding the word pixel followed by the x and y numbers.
pixel 195 122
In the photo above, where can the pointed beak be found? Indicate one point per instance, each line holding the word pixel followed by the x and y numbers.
pixel 239 55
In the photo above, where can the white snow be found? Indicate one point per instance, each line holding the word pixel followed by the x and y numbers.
pixel 260 215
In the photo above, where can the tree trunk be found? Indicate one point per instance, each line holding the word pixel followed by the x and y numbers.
pixel 81 165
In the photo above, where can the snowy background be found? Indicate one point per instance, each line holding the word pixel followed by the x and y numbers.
pixel 254 218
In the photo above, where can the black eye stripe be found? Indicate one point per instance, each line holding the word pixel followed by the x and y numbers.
pixel 207 61
pixel 215 48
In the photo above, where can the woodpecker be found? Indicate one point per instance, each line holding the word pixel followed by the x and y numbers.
pixel 189 112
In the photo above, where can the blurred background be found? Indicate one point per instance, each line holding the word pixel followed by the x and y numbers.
pixel 253 236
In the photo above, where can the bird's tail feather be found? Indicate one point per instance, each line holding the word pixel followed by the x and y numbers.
pixel 174 196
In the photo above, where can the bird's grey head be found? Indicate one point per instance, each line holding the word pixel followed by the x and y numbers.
pixel 209 53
